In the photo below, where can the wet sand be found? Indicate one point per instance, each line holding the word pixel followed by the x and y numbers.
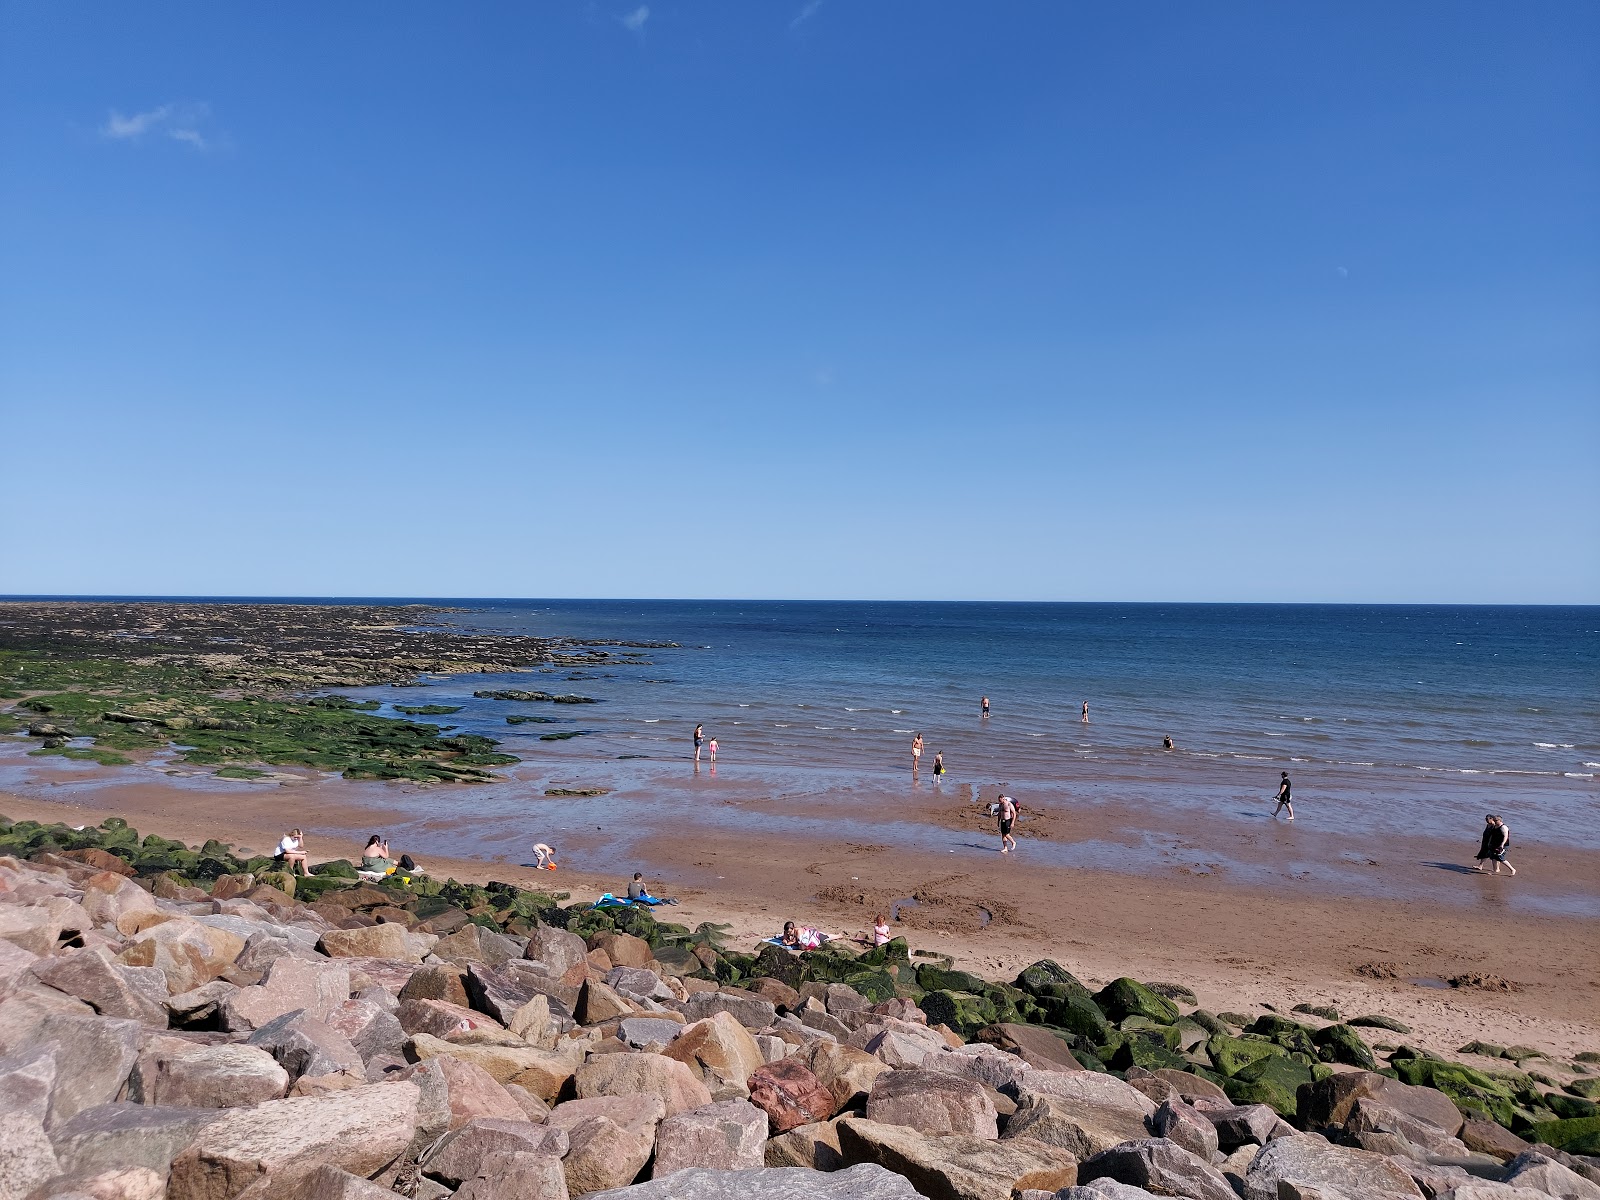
pixel 1402 910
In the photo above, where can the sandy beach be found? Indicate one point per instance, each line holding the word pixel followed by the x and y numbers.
pixel 1238 946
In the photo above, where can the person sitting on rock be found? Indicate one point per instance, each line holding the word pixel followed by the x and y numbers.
pixel 375 857
pixel 640 894
pixel 291 853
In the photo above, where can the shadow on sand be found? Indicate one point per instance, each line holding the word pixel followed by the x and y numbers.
pixel 1456 867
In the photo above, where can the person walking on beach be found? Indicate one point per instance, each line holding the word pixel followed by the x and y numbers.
pixel 938 765
pixel 1006 812
pixel 916 753
pixel 699 740
pixel 546 856
pixel 1283 798
pixel 1496 841
pixel 986 706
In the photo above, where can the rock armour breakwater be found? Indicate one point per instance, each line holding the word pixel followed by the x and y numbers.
pixel 292 1036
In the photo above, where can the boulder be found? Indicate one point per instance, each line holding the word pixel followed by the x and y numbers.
pixel 1190 1086
pixel 1369 1116
pixel 94 1056
pixel 1327 1102
pixel 846 1072
pixel 639 1032
pixel 26 1080
pixel 361 1131
pixel 611 1139
pixel 1160 1167
pixel 815 1146
pixel 1274 1081
pixel 304 1045
pixel 933 1102
pixel 475 944
pixel 1035 1046
pixel 113 1136
pixel 750 1010
pixel 439 1018
pixel 956 1167
pixel 623 949
pixel 111 899
pixel 535 1023
pixel 388 940
pixel 730 1135
pixel 522 1175
pixel 542 1072
pixel 1241 1124
pixel 437 982
pixel 109 987
pixel 599 1003
pixel 313 1181
pixel 500 993
pixel 190 951
pixel 1316 1167
pixel 460 1155
pixel 27 1158
pixel 637 983
pixel 785 1183
pixel 721 1052
pixel 1488 1138
pixel 1123 998
pixel 555 950
pixel 1531 1169
pixel 290 984
pixel 790 1094
pixel 126 1183
pixel 1187 1126
pixel 667 1079
pixel 182 1074
pixel 373 1030
pixel 1082 1112
pixel 454 1092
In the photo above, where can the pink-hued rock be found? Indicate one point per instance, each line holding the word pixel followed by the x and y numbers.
pixel 455 1092
pixel 360 1131
pixel 730 1136
pixel 642 1074
pixel 790 1094
pixel 721 1051
pixel 933 1102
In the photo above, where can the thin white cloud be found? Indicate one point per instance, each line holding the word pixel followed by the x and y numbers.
pixel 806 13
pixel 179 122
pixel 634 22
pixel 119 126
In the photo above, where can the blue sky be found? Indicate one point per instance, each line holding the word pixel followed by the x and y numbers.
pixel 842 299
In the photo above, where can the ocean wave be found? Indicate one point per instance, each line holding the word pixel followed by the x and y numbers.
pixel 652 720
pixel 1578 774
pixel 1555 745
pixel 1592 764
pixel 897 711
pixel 905 731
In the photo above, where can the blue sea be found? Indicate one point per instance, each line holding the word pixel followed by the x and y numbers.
pixel 1394 722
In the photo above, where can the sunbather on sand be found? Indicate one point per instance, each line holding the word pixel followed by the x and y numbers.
pixel 640 894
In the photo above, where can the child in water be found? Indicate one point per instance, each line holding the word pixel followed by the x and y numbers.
pixel 938 764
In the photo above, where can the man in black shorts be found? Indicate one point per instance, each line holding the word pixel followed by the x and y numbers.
pixel 1283 798
pixel 1006 810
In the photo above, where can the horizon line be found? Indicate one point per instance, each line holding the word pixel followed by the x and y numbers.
pixel 288 598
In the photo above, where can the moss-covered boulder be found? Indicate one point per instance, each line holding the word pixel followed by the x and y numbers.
pixel 1138 1051
pixel 1230 1055
pixel 1166 1035
pixel 1273 1081
pixel 1473 1092
pixel 934 978
pixel 337 868
pixel 1588 1089
pixel 1291 1035
pixel 1577 1135
pixel 1128 997
pixel 1341 1044
pixel 1048 978
pixel 1074 1012
pixel 774 962
pixel 1570 1107
pixel 965 1012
